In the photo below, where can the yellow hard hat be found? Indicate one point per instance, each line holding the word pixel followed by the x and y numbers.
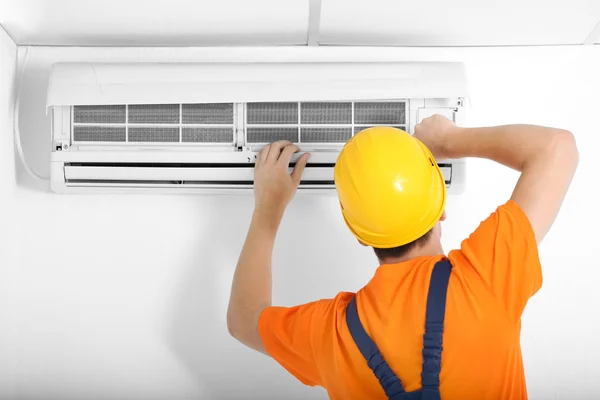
pixel 390 188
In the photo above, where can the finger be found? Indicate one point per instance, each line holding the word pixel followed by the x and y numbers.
pixel 275 150
pixel 257 159
pixel 299 168
pixel 287 153
pixel 264 153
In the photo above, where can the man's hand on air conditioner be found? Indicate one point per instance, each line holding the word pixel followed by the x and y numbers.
pixel 435 132
pixel 274 186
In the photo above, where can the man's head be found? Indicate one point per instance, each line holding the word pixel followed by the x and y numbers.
pixel 392 193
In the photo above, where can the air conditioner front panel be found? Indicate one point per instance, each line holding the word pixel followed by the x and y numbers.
pixel 174 83
pixel 198 128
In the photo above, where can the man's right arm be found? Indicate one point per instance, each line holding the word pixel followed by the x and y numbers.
pixel 546 157
pixel 503 249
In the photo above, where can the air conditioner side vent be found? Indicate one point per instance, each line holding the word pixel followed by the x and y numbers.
pixel 446 169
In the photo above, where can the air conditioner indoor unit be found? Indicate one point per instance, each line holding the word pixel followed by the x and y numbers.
pixel 197 127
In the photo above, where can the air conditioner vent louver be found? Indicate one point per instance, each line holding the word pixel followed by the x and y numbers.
pixel 181 174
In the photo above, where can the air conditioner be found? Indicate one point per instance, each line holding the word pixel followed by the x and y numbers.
pixel 197 127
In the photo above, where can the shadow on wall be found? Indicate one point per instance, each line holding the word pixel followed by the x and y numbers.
pixel 34 125
pixel 197 332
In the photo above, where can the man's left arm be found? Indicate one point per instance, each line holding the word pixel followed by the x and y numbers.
pixel 252 282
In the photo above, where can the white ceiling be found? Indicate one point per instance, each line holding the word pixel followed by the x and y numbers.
pixel 459 22
pixel 156 22
pixel 285 22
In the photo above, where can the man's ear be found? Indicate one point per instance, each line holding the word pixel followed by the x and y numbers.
pixel 443 217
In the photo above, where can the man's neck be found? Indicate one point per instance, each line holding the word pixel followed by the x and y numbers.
pixel 429 250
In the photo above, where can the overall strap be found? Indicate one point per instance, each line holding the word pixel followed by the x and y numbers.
pixel 387 378
pixel 434 328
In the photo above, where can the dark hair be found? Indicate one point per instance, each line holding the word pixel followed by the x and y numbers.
pixel 401 251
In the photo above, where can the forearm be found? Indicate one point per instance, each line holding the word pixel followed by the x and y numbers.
pixel 252 281
pixel 514 146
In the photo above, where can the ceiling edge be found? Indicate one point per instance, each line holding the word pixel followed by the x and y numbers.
pixel 9 35
pixel 594 35
pixel 314 22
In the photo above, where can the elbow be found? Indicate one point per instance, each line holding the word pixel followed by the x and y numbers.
pixel 557 148
pixel 565 139
pixel 233 325
pixel 238 326
pixel 564 147
pixel 244 328
pixel 240 330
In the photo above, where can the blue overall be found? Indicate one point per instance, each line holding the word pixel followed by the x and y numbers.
pixel 432 342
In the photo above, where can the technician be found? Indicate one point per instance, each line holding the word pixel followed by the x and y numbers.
pixel 427 325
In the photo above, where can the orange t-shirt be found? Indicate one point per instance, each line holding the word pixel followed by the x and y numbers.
pixel 494 274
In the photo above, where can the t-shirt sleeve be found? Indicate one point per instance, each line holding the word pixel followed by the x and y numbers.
pixel 503 251
pixel 287 334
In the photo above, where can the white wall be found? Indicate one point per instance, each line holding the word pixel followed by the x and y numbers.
pixel 124 297
pixel 8 356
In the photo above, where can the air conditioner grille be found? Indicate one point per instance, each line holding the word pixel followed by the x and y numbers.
pixel 99 134
pixel 320 122
pixel 207 135
pixel 325 135
pixel 99 114
pixel 268 135
pixel 221 113
pixel 385 113
pixel 357 129
pixel 272 113
pixel 217 123
pixel 326 113
pixel 154 134
pixel 154 114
